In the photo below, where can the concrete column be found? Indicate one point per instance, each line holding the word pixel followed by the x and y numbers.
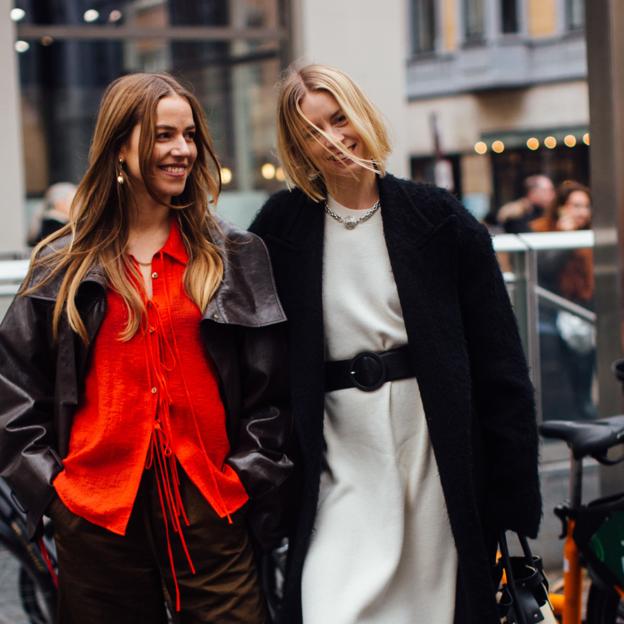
pixel 12 206
pixel 243 169
pixel 368 40
pixel 605 52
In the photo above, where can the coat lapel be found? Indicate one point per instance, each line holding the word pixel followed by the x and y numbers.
pixel 424 259
pixel 299 253
pixel 423 256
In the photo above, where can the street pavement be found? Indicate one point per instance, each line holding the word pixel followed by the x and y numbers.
pixel 10 609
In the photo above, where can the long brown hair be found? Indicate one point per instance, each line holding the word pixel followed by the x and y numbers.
pixel 99 216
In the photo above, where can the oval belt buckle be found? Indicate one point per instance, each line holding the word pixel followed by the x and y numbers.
pixel 367 371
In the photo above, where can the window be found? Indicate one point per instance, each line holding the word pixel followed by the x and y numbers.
pixel 62 81
pixel 474 21
pixel 423 26
pixel 509 16
pixel 575 14
pixel 422 169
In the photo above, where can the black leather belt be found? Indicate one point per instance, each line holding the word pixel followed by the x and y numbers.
pixel 368 370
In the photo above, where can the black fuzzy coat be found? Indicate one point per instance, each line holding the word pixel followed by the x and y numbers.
pixel 468 360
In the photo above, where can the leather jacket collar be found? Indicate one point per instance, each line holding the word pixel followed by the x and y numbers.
pixel 247 295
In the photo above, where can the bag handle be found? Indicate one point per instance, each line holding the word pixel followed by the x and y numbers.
pixel 529 591
pixel 511 585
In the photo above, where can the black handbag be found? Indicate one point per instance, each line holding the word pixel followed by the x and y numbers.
pixel 522 594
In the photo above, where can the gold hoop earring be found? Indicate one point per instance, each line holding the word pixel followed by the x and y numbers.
pixel 120 178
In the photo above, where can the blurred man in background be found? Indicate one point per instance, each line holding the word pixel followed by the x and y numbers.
pixel 53 214
pixel 515 216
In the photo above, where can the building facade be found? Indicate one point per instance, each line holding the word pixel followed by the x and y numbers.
pixel 67 51
pixel 505 81
pixel 494 88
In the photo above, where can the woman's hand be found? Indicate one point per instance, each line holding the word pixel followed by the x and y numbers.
pixel 567 223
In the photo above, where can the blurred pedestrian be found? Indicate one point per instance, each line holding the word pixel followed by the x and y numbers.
pixel 569 210
pixel 412 403
pixel 569 274
pixel 141 379
pixel 516 216
pixel 54 212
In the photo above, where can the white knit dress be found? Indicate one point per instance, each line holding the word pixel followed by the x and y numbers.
pixel 382 549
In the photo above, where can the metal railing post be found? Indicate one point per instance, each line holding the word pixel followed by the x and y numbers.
pixel 533 341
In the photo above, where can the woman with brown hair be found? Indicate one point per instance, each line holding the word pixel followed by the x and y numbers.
pixel 412 404
pixel 566 338
pixel 143 401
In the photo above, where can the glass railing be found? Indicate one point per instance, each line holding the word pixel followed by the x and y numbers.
pixel 549 277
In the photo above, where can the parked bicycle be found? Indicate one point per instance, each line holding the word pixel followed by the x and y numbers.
pixel 593 532
pixel 37 565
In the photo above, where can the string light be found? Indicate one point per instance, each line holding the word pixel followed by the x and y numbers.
pixel 91 15
pixel 498 147
pixel 226 175
pixel 550 142
pixel 480 147
pixel 268 171
pixel 533 143
pixel 17 14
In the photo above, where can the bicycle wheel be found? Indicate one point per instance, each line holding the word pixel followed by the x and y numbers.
pixel 604 606
pixel 38 597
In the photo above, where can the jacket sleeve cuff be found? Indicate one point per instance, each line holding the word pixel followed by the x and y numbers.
pixel 518 510
pixel 31 482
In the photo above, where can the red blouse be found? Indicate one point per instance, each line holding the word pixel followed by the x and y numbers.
pixel 149 402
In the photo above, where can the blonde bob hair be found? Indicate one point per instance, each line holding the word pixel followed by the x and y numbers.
pixel 101 210
pixel 295 130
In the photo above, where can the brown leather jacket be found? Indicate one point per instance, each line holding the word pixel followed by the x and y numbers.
pixel 243 332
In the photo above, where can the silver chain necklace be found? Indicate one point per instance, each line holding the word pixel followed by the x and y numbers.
pixel 351 222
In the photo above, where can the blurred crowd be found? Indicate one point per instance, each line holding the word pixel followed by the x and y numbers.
pixel 567 340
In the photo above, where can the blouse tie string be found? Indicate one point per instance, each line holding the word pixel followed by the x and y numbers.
pixel 162 356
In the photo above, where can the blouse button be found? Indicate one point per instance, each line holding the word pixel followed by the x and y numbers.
pixel 154 275
pixel 215 316
pixel 154 390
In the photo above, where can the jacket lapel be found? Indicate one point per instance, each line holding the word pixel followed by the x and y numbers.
pixel 406 226
pixel 422 254
pixel 299 252
pixel 424 259
pixel 247 294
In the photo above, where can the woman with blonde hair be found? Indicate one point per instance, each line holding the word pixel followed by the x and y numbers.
pixel 412 405
pixel 143 402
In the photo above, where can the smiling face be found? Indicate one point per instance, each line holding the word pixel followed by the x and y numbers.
pixel 322 110
pixel 174 151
